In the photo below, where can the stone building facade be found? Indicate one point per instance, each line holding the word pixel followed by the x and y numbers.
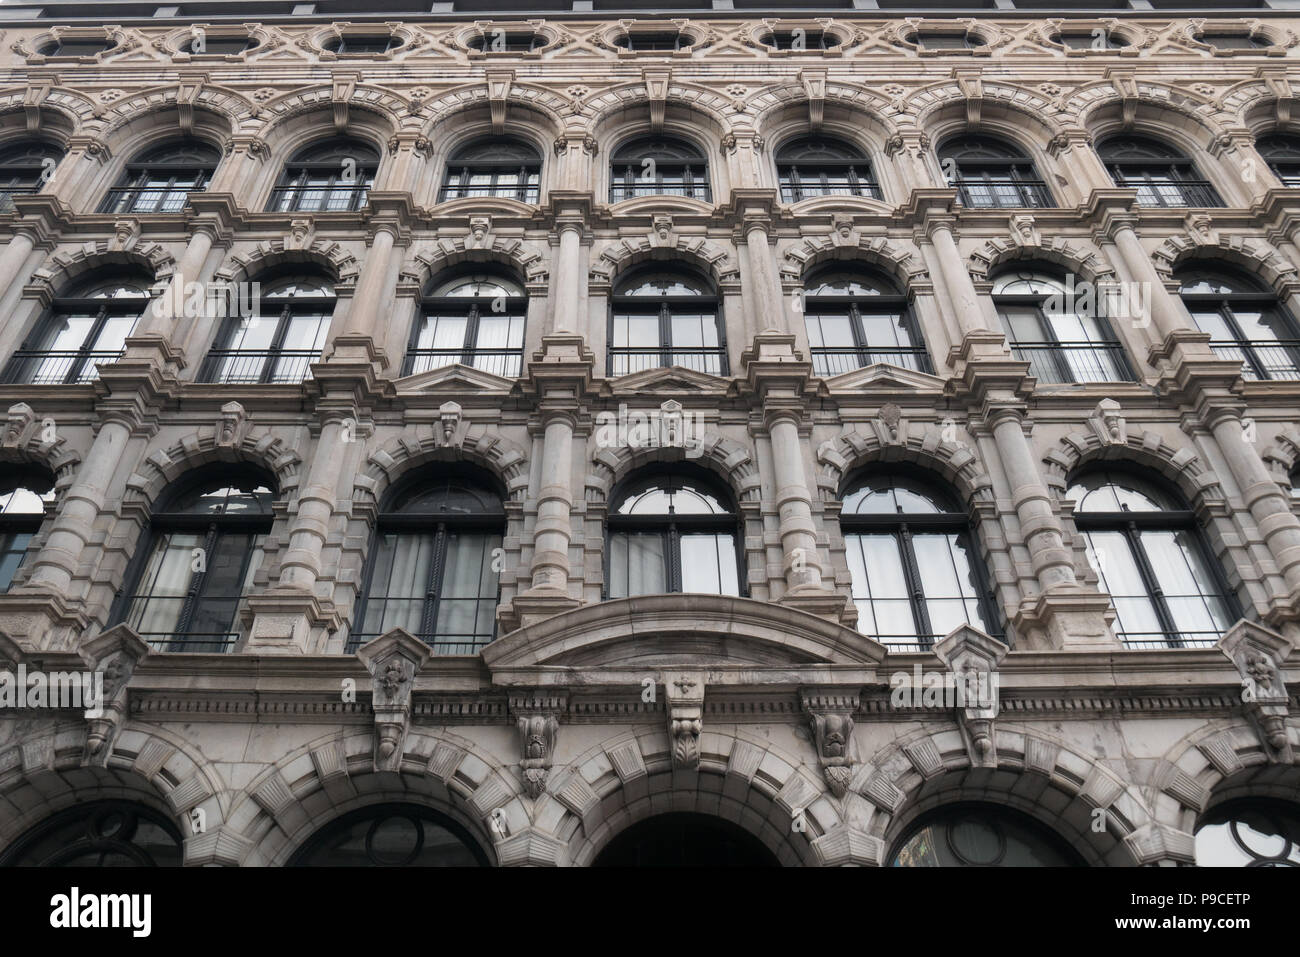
pixel 581 265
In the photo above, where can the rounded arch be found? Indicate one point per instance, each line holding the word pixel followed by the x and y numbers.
pixel 607 110
pixel 341 265
pixel 1179 117
pixel 1021 115
pixel 725 458
pixel 68 107
pixel 614 261
pixel 1257 257
pixel 66 267
pixel 26 442
pixel 1086 263
pixel 928 769
pixel 812 252
pixel 922 445
pixel 383 106
pixel 514 255
pixel 225 109
pixel 542 107
pixel 861 113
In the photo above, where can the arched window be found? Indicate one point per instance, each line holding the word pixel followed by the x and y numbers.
pixel 77 47
pixel 500 167
pixel 857 317
pixel 25 168
pixel 391 835
pixel 1244 319
pixel 916 575
pixel 99 834
pixel 820 166
pixel 282 339
pixel 658 166
pixel 1282 154
pixel 992 173
pixel 666 317
pixel 195 564
pixel 673 531
pixel 975 834
pixel 1063 334
pixel 433 567
pixel 800 39
pixel 326 177
pixel 1250 832
pixel 474 317
pixel 362 44
pixel 654 41
pixel 227 44
pixel 1162 175
pixel 1145 546
pixel 161 179
pixel 501 40
pixel 24 493
pixel 86 326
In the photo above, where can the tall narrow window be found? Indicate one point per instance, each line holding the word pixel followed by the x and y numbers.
pixel 673 532
pixel 1063 338
pixel 327 177
pixel 658 167
pixel 1162 175
pixel 24 494
pixel 86 327
pixel 25 168
pixel 500 167
pixel 475 318
pixel 196 563
pixel 856 318
pixel 992 173
pixel 281 341
pixel 819 166
pixel 666 317
pixel 433 566
pixel 915 572
pixel 161 180
pixel 1147 550
pixel 1244 319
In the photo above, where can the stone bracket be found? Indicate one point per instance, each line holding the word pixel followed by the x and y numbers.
pixel 1258 654
pixel 498 86
pixel 537 716
pixel 830 712
pixel 814 87
pixel 973 658
pixel 684 692
pixel 393 660
pixel 111 658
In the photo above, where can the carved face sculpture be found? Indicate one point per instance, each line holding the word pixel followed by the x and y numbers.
pixel 392 677
pixel 834 736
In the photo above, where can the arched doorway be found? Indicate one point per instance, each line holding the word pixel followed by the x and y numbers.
pixel 976 834
pixel 111 833
pixel 391 835
pixel 684 839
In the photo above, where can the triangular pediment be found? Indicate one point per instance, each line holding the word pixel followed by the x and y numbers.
pixel 882 375
pixel 454 379
pixel 669 379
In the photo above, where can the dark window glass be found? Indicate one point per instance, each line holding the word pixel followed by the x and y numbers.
pixel 1149 556
pixel 982 835
pixel 658 167
pixel 1245 321
pixel 220 45
pixel 280 341
pixel 1282 154
pixel 1252 832
pixel 161 180
pixel 666 317
pixel 358 43
pixel 1161 175
pixel 473 318
pixel 819 166
pixel 1098 39
pixel 916 575
pixel 656 41
pixel 391 835
pixel 434 566
pixel 99 834
pixel 25 168
pixel 24 495
pixel 75 47
pixel 673 532
pixel 856 318
pixel 1233 41
pixel 508 41
pixel 327 177
pixel 939 40
pixel 990 173
pixel 505 168
pixel 798 40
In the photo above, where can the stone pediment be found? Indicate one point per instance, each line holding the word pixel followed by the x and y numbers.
pixel 669 379
pixel 621 641
pixel 881 375
pixel 454 379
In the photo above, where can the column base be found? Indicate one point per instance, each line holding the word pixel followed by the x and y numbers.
pixel 816 601
pixel 534 605
pixel 1284 611
pixel 1070 617
pixel 290 623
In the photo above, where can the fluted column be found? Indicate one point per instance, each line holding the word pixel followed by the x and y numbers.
pixel 1166 313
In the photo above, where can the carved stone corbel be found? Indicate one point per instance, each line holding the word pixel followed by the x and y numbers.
pixel 1279 84
pixel 345 86
pixel 449 415
pixel 656 89
pixel 393 660
pixel 480 228
pixel 498 85
pixel 33 97
pixel 1258 654
pixel 830 711
pixel 187 94
pixel 1125 85
pixel 1107 421
pixel 814 87
pixel 1024 230
pixel 662 233
pixel 1200 229
pixel 972 659
pixel 20 422
pixel 972 88
pixel 232 425
pixel 537 718
pixel 111 658
pixel 685 705
pixel 891 420
pixel 125 232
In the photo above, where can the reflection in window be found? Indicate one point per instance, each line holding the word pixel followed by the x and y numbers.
pixel 434 566
pixel 326 177
pixel 24 169
pixel 658 166
pixel 24 494
pixel 1148 554
pixel 675 532
pixel 1162 175
pixel 161 180
pixel 391 835
pixel 87 326
pixel 473 318
pixel 819 166
pixel 99 834
pixel 982 835
pixel 1282 154
pixel 915 573
pixel 1061 342
pixel 196 563
pixel 500 167
pixel 1244 319
pixel 856 318
pixel 283 339
pixel 1250 833
pixel 992 173
pixel 666 317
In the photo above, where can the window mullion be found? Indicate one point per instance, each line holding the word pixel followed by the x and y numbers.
pixel 1152 583
pixel 674 558
pixel 196 583
pixel 432 593
pixel 912 573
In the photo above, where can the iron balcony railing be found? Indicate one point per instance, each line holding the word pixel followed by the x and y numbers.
pixel 833 362
pixel 507 363
pixel 627 361
pixel 1075 362
pixel 621 191
pixel 794 194
pixel 525 194
pixel 1008 194
pixel 141 199
pixel 7 196
pixel 249 367
pixel 1279 359
pixel 318 199
pixel 441 644
pixel 1178 193
pixel 1143 640
pixel 194 642
pixel 57 368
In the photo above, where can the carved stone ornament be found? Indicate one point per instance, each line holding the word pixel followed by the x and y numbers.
pixel 537 719
pixel 830 712
pixel 232 426
pixel 393 660
pixel 449 414
pixel 20 422
pixel 1024 231
pixel 111 658
pixel 1258 653
pixel 1107 421
pixel 685 696
pixel 480 227
pixel 891 416
pixel 972 659
pixel 662 234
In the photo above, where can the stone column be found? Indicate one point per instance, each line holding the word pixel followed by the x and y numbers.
pixel 372 291
pixel 800 563
pixel 13 258
pixel 568 275
pixel 966 303
pixel 1167 315
pixel 553 531
pixel 763 295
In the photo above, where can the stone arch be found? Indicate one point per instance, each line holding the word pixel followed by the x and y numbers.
pixel 517 255
pixel 930 768
pixel 24 443
pixel 742 778
pixel 604 107
pixel 1255 256
pixel 1283 455
pixel 268 253
pixel 1253 103
pixel 66 265
pixel 145 764
pixel 73 108
pixel 375 100
pixel 811 251
pixel 304 790
pixel 1082 261
pixel 539 100
pixel 475 443
pixel 771 102
pixel 919 443
pixel 728 459
pixel 1021 110
pixel 617 258
pixel 230 105
pixel 1189 119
